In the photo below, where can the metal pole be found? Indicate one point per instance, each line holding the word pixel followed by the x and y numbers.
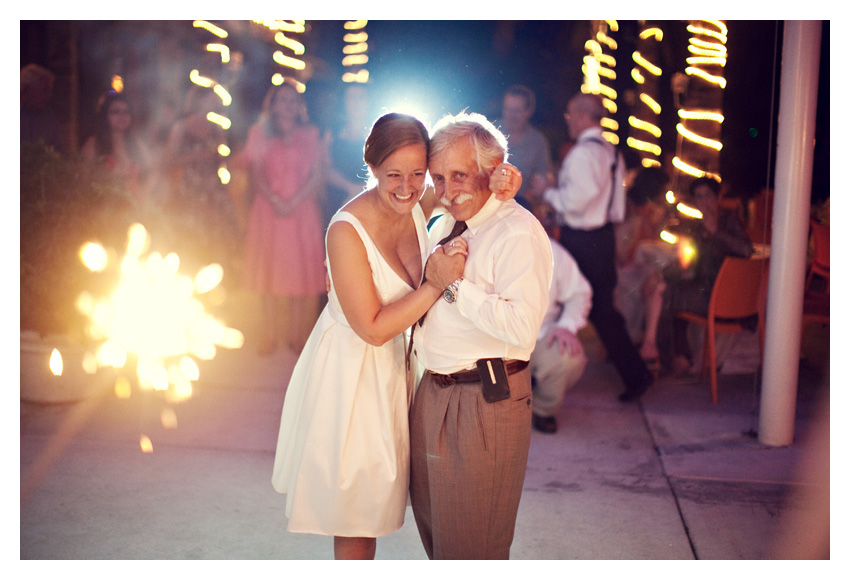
pixel 792 201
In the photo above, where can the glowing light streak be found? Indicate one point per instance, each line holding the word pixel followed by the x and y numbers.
pixel 646 162
pixel 606 40
pixel 361 76
pixel 222 93
pixel 223 150
pixel 670 197
pixel 293 45
pixel 701 115
pixel 703 48
pixel 609 124
pixel 640 60
pixel 356 37
pixel 154 313
pixel 355 24
pixel 651 103
pixel 644 126
pixel 609 105
pixel 668 237
pixel 224 175
pixel 704 141
pixel 117 83
pixel 288 61
pixel 355 48
pixel 721 36
pixel 211 28
pixel 285 26
pixel 611 137
pixel 651 32
pixel 689 211
pixel 637 76
pixel 220 48
pixel 686 253
pixel 643 146
pixel 220 120
pixel 56 365
pixel 691 170
pixel 200 80
pixel 714 79
pixel 355 59
pixel 706 60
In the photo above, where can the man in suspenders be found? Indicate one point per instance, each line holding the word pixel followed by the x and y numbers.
pixel 590 199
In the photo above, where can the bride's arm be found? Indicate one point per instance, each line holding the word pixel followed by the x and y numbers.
pixel 352 279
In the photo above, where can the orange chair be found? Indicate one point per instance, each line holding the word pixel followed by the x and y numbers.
pixel 739 292
pixel 820 260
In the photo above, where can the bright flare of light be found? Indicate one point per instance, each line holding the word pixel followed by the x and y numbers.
pixel 656 32
pixel 223 150
pixel 94 257
pixel 145 444
pixel 645 126
pixel 670 197
pixel 361 76
pixel 56 363
pixel 224 175
pixel 691 170
pixel 651 68
pixel 685 252
pixel 154 313
pixel 355 24
pixel 117 83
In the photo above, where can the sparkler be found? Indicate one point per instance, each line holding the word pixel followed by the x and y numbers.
pixel 154 316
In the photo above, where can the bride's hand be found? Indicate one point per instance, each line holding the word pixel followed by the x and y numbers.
pixel 455 247
pixel 505 181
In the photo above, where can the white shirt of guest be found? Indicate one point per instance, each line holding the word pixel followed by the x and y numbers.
pixel 570 295
pixel 502 298
pixel 584 184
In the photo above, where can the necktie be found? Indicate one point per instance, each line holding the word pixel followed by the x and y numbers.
pixel 457 230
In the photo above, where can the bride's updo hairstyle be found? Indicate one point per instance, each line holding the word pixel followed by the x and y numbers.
pixel 389 133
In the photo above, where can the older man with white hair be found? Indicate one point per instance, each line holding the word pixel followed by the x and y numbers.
pixel 471 418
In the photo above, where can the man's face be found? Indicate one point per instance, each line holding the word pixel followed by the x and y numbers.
pixel 457 183
pixel 577 120
pixel 515 114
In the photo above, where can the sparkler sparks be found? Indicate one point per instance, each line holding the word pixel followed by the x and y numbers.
pixel 154 317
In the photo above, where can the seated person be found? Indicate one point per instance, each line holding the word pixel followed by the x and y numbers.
pixel 688 284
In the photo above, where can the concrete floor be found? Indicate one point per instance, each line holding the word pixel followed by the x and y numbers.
pixel 670 478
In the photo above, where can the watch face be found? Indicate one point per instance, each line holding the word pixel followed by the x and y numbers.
pixel 448 295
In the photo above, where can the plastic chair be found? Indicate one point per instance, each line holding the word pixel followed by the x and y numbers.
pixel 739 292
pixel 820 260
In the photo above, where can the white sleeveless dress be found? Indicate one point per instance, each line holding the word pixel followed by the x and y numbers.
pixel 343 449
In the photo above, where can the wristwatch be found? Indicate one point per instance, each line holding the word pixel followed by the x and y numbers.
pixel 450 293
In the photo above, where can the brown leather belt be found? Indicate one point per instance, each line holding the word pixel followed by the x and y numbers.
pixel 472 376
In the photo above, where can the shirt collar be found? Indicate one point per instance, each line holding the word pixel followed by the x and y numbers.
pixel 589 133
pixel 487 210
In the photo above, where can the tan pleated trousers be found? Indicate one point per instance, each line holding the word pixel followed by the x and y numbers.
pixel 468 460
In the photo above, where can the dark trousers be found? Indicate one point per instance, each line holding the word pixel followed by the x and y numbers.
pixel 595 253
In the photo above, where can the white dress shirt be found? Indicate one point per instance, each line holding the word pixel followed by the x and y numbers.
pixel 570 295
pixel 584 184
pixel 502 298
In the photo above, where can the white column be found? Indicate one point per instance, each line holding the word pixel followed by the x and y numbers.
pixel 792 201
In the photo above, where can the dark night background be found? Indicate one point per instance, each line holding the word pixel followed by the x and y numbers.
pixel 442 66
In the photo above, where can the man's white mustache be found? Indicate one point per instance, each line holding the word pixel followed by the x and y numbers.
pixel 462 198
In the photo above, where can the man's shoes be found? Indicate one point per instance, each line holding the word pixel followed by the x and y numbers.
pixel 636 393
pixel 544 424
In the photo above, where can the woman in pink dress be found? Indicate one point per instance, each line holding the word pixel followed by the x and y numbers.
pixel 284 261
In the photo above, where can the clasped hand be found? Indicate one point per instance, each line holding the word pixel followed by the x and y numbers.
pixel 446 262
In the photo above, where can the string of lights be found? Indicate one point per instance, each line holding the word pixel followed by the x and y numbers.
pixel 355 52
pixel 223 50
pixel 598 69
pixel 644 123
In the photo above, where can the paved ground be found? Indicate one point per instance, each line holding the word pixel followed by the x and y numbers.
pixel 670 478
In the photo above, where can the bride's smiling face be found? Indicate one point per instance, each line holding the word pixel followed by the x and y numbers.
pixel 401 177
